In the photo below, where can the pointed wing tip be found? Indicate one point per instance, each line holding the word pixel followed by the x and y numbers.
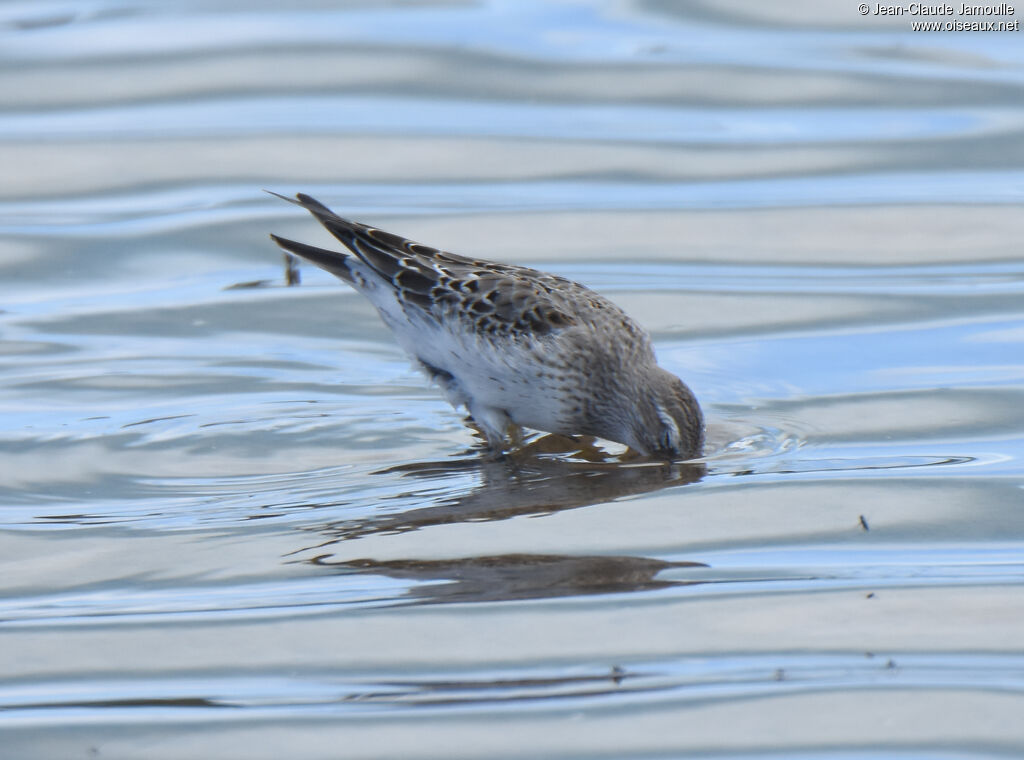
pixel 282 197
pixel 308 202
pixel 304 200
pixel 284 243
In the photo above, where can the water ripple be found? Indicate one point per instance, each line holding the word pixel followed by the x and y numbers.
pixel 150 212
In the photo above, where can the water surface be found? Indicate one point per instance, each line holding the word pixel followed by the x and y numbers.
pixel 234 521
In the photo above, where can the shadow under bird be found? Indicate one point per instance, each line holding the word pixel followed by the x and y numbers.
pixel 515 346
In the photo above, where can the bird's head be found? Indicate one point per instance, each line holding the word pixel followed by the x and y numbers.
pixel 668 422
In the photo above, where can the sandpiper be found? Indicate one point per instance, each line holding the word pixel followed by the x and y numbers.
pixel 516 347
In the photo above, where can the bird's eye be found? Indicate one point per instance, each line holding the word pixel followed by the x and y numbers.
pixel 669 438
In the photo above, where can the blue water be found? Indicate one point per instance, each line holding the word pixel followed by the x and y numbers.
pixel 234 521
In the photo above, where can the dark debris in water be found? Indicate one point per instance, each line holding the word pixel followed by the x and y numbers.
pixel 292 277
pixel 291 270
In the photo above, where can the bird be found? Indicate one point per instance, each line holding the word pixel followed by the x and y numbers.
pixel 516 347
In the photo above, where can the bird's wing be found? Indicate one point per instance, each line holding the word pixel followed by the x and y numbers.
pixel 490 297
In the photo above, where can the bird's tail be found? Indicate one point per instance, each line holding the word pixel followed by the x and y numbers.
pixel 334 262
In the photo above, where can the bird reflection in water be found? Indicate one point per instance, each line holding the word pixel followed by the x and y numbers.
pixel 507 577
pixel 554 474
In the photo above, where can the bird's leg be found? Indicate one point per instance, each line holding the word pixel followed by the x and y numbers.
pixel 514 435
pixel 589 450
pixel 631 455
pixel 496 428
pixel 582 446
